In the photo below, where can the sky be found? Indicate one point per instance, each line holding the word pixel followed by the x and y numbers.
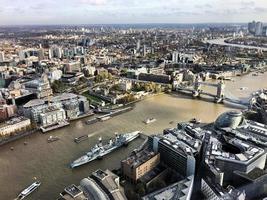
pixel 28 12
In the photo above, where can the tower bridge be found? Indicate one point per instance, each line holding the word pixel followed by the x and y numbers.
pixel 220 96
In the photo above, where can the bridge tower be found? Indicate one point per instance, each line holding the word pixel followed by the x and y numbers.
pixel 197 87
pixel 220 92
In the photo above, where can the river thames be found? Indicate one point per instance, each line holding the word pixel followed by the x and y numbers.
pixel 49 162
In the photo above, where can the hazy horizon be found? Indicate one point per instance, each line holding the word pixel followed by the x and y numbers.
pixel 71 12
pixel 129 24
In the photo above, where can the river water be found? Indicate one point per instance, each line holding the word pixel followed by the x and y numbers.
pixel 48 162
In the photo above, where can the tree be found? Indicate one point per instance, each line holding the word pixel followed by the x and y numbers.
pixel 103 76
pixel 58 86
pixel 83 80
pixel 147 88
pixel 109 76
pixel 98 78
pixel 168 88
pixel 152 86
pixel 128 98
pixel 124 72
pixel 158 89
pixel 140 189
pixel 131 195
pixel 115 87
pixel 75 90
pixel 137 87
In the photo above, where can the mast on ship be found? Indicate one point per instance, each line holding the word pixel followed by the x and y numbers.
pixel 100 141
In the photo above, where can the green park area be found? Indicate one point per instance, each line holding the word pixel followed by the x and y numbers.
pixel 92 98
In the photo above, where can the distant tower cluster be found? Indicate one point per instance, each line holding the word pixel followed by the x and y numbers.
pixel 27 53
pixel 257 28
pixel 55 52
pixel 175 57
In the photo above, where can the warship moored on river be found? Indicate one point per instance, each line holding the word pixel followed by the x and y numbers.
pixel 100 150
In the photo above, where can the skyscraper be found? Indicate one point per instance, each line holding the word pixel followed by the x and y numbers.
pixel 259 26
pixel 2 56
pixel 41 54
pixel 144 50
pixel 138 45
pixel 55 52
pixel 264 32
pixel 175 57
pixel 50 53
pixel 252 27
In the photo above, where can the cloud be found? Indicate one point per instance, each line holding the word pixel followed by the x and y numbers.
pixel 39 6
pixel 130 11
pixel 94 2
pixel 19 10
pixel 260 9
pixel 207 5
pixel 247 3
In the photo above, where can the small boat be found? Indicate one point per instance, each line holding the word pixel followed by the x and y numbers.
pixel 52 139
pixel 80 138
pixel 28 190
pixel 228 79
pixel 243 88
pixel 25 143
pixel 105 118
pixel 149 120
pixel 195 121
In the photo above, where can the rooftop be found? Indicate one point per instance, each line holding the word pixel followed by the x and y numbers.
pixel 176 191
pixel 231 119
pixel 64 97
pixel 33 103
pixel 13 121
pixel 250 131
pixel 248 154
pixel 182 142
pixel 255 127
pixel 256 173
pixel 139 158
pixel 100 174
pixel 109 181
pixel 73 190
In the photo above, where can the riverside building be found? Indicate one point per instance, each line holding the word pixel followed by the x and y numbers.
pixel 138 164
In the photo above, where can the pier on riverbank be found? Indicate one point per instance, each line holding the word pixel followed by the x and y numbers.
pixel 112 113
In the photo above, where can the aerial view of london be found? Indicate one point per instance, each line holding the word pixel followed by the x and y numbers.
pixel 133 100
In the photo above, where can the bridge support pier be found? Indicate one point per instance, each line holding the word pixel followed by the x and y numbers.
pixel 220 92
pixel 197 88
pixel 196 94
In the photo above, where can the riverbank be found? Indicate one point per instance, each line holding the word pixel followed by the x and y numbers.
pixel 43 129
pixel 19 136
pixel 108 114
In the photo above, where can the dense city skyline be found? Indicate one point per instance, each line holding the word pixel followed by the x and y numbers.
pixel 121 11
